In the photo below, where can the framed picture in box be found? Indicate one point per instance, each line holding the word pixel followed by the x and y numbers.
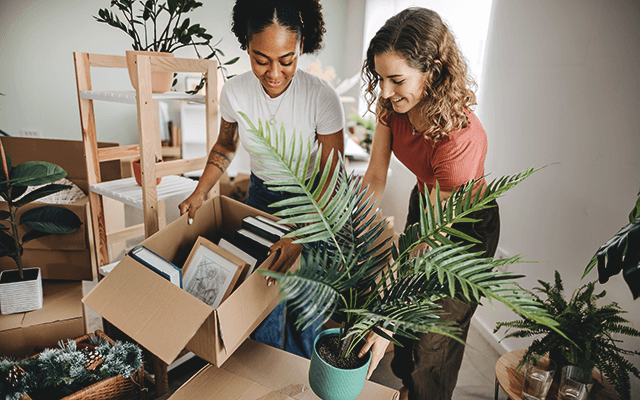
pixel 211 272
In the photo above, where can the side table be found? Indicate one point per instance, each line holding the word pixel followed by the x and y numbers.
pixel 511 381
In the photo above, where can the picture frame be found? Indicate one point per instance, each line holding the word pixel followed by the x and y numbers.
pixel 210 273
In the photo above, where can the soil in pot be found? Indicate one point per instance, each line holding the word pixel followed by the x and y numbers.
pixel 328 349
pixel 13 275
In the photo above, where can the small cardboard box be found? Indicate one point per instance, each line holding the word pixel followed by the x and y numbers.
pixel 164 318
pixel 258 372
pixel 61 317
pixel 67 257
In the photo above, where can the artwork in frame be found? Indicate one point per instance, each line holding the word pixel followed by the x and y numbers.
pixel 211 272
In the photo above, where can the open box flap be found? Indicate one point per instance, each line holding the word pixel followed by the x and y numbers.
pixel 149 309
pixel 247 307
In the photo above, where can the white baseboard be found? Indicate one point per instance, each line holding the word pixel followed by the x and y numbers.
pixel 486 332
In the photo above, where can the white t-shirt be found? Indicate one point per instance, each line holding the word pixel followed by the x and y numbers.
pixel 309 105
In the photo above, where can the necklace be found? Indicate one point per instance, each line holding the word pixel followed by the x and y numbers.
pixel 413 128
pixel 272 116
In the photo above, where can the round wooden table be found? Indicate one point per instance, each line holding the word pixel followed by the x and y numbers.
pixel 511 381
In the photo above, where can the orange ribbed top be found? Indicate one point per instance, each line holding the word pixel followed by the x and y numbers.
pixel 453 161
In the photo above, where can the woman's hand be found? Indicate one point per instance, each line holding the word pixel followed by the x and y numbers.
pixel 191 205
pixel 378 346
pixel 289 252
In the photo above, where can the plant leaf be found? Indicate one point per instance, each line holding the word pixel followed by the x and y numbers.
pixel 34 173
pixel 51 219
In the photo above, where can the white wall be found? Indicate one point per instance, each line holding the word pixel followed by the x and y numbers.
pixel 562 88
pixel 37 42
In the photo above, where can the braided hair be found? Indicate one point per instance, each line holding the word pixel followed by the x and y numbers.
pixel 304 17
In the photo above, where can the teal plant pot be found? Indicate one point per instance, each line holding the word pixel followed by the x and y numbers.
pixel 331 383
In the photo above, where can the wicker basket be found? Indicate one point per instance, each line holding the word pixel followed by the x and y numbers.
pixel 114 388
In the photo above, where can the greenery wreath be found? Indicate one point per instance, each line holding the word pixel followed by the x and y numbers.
pixel 67 369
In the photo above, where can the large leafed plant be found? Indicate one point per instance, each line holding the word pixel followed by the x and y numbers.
pixel 42 221
pixel 621 253
pixel 348 279
pixel 164 26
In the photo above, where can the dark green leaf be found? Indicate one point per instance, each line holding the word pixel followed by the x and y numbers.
pixel 51 219
pixel 172 5
pixel 33 234
pixel 232 61
pixel 42 192
pixel 33 173
pixel 7 242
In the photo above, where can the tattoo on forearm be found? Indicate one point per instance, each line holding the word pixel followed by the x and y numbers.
pixel 228 134
pixel 219 160
pixel 226 144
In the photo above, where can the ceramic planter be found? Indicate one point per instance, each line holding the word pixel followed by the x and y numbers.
pixel 137 173
pixel 18 296
pixel 160 81
pixel 331 383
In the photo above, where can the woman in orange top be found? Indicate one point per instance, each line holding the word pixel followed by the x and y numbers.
pixel 424 117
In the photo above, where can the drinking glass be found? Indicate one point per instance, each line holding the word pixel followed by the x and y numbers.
pixel 538 375
pixel 573 384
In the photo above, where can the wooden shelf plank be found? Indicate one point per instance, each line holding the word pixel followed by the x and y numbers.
pixel 128 192
pixel 129 97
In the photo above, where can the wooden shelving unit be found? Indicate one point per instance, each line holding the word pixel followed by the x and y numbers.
pixel 148 197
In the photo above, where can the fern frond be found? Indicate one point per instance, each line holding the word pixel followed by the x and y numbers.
pixel 323 214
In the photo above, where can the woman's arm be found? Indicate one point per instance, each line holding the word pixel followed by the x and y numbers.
pixel 376 174
pixel 219 159
pixel 335 142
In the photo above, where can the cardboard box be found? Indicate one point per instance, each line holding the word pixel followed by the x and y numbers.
pixel 236 188
pixel 166 319
pixel 67 257
pixel 61 317
pixel 257 371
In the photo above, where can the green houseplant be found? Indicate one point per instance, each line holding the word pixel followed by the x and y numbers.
pixel 588 342
pixel 621 253
pixel 346 278
pixel 21 289
pixel 162 27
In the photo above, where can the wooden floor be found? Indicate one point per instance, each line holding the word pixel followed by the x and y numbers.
pixel 476 379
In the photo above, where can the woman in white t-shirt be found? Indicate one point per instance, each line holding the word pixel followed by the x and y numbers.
pixel 275 33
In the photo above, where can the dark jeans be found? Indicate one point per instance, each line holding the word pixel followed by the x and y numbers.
pixel 278 329
pixel 429 366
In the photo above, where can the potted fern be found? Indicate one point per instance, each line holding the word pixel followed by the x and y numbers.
pixel 160 28
pixel 351 281
pixel 588 341
pixel 21 289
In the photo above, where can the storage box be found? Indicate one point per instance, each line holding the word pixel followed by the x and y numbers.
pixel 67 257
pixel 116 387
pixel 164 318
pixel 236 188
pixel 257 371
pixel 60 318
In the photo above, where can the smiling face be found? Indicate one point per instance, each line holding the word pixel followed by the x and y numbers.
pixel 274 56
pixel 401 84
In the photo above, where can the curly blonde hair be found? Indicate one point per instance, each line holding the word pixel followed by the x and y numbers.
pixel 426 43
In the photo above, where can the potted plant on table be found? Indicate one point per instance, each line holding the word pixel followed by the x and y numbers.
pixel 346 278
pixel 588 341
pixel 21 289
pixel 160 28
